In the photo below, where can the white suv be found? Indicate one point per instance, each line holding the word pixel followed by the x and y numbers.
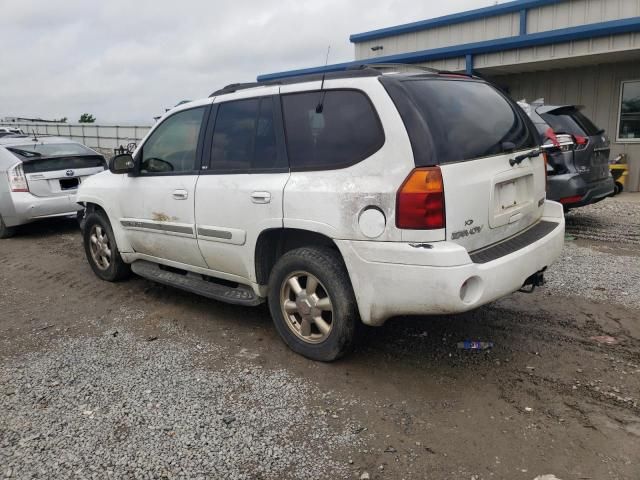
pixel 356 196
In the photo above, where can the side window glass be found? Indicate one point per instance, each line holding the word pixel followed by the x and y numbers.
pixel 346 131
pixel 233 137
pixel 172 147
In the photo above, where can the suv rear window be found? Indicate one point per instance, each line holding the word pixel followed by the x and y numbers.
pixel 345 131
pixel 571 120
pixel 466 120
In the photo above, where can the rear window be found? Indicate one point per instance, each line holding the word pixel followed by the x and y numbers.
pixel 465 120
pixel 63 163
pixel 343 132
pixel 571 120
pixel 50 150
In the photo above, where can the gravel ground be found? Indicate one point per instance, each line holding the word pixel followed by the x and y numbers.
pixel 596 275
pixel 600 261
pixel 114 407
pixel 191 388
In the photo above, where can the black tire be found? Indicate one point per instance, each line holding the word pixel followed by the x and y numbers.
pixel 6 232
pixel 117 269
pixel 327 266
pixel 619 188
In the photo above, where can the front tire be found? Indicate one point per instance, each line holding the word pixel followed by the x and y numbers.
pixel 312 303
pixel 101 249
pixel 6 232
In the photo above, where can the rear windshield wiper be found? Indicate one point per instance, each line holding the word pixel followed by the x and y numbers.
pixel 520 158
pixel 24 153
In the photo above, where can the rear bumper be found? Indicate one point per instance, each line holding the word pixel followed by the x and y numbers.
pixel 394 278
pixel 23 207
pixel 572 185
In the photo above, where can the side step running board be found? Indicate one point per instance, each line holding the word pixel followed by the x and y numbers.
pixel 195 283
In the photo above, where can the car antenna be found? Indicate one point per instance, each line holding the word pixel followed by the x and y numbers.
pixel 35 138
pixel 320 105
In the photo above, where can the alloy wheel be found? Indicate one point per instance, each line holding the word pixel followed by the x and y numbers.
pixel 306 307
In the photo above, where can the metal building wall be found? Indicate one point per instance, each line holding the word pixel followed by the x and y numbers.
pixel 612 44
pixel 572 13
pixel 597 87
pixel 489 28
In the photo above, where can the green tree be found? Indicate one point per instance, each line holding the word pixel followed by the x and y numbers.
pixel 87 118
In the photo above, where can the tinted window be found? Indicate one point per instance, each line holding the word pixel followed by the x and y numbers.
pixel 63 163
pixel 172 146
pixel 346 131
pixel 469 119
pixel 51 150
pixel 570 120
pixel 244 137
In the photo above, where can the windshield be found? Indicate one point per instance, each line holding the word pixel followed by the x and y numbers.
pixel 469 119
pixel 51 150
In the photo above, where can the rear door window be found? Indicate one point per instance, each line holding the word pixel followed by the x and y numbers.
pixel 469 119
pixel 330 129
pixel 570 120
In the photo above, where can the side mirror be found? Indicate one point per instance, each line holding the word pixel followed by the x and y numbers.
pixel 122 163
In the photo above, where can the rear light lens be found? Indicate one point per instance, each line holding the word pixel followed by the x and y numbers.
pixel 581 142
pixel 420 200
pixel 573 199
pixel 17 179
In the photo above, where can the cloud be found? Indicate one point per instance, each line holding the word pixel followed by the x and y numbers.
pixel 126 61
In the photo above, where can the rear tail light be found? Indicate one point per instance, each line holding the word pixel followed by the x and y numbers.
pixel 581 142
pixel 420 200
pixel 573 199
pixel 17 180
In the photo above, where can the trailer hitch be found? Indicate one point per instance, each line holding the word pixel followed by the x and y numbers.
pixel 535 280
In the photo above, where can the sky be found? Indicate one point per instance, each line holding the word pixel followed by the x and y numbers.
pixel 125 61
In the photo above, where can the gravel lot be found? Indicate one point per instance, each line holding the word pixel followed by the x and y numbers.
pixel 137 380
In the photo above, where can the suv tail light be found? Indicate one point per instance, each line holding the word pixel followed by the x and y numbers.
pixel 420 200
pixel 17 179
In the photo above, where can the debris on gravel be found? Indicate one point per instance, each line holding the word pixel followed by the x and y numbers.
pixel 121 407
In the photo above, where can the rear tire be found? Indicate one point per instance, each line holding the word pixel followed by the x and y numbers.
pixel 312 303
pixel 6 232
pixel 101 249
pixel 619 188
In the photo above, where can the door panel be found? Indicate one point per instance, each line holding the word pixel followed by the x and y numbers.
pixel 229 223
pixel 157 223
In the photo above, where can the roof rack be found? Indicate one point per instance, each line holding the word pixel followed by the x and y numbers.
pixel 353 72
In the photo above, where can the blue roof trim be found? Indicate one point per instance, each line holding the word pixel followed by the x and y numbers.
pixel 581 32
pixel 467 16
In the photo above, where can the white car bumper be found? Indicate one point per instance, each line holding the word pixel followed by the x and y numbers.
pixel 394 278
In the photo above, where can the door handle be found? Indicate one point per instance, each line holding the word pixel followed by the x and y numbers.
pixel 260 197
pixel 180 194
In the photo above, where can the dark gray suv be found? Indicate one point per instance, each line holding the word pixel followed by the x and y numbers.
pixel 580 175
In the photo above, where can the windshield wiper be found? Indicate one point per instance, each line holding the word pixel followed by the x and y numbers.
pixel 520 158
pixel 24 153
